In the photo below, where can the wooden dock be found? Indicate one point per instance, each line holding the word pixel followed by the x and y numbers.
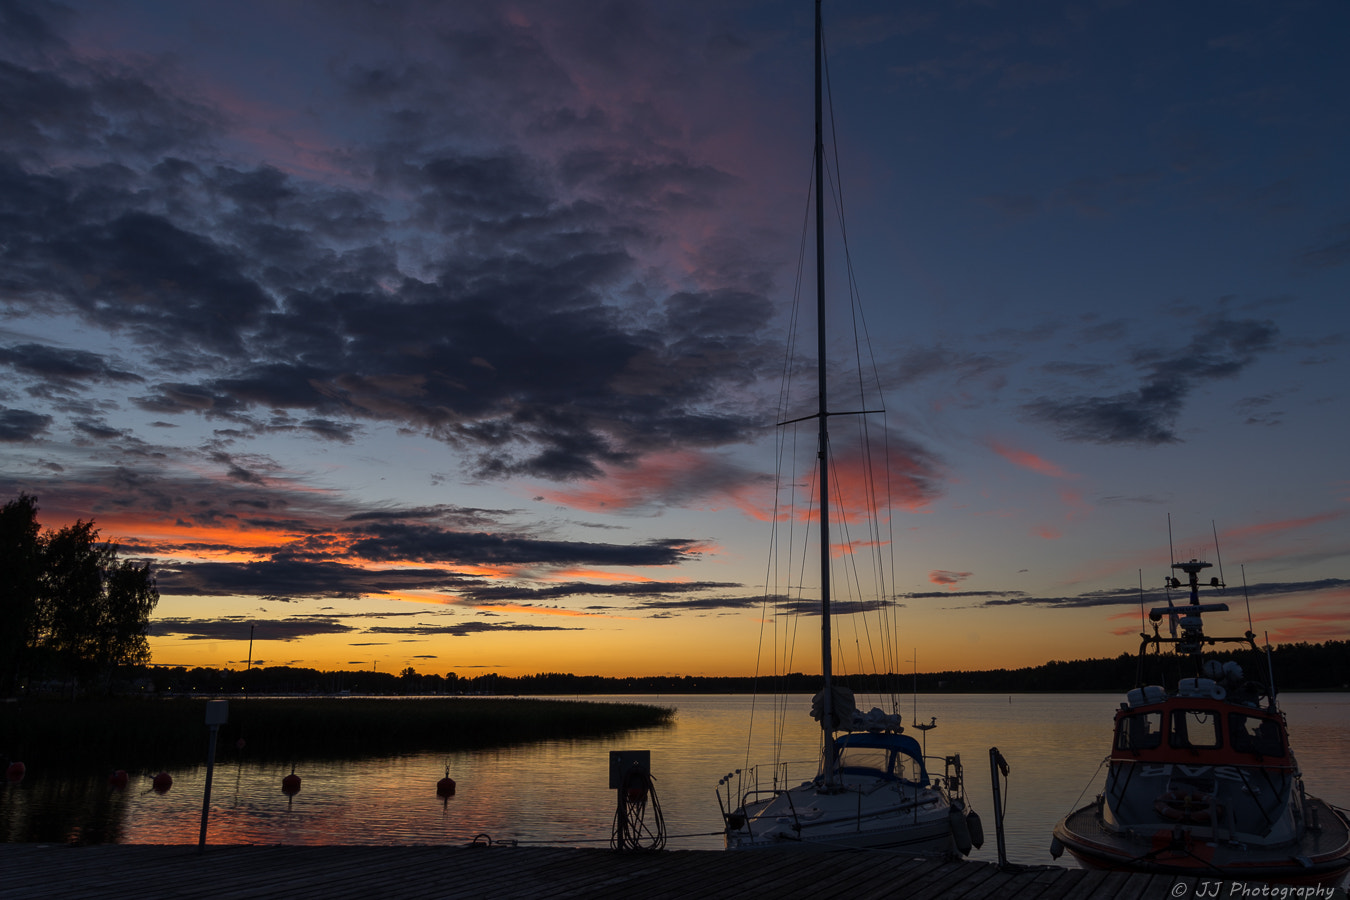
pixel 122 872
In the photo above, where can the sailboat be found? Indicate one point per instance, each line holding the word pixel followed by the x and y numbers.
pixel 1202 780
pixel 873 788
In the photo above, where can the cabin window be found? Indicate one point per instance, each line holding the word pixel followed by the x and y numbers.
pixel 1255 734
pixel 1195 729
pixel 1142 731
pixel 863 758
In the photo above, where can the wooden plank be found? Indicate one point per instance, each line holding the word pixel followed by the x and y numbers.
pixel 1038 882
pixel 969 881
pixel 1087 886
pixel 111 872
pixel 940 881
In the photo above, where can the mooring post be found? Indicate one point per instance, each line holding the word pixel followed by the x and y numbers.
pixel 998 764
pixel 217 714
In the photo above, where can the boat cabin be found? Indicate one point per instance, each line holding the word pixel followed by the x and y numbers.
pixel 1189 728
pixel 882 755
pixel 1196 758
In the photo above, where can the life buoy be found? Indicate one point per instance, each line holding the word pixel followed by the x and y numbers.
pixel 1187 806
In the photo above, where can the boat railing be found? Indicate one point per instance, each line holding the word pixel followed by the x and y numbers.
pixel 752 786
pixel 753 779
pixel 952 778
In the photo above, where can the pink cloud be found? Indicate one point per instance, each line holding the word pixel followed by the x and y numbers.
pixel 1028 460
pixel 683 478
pixel 1265 529
pixel 948 579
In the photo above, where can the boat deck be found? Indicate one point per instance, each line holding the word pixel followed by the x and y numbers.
pixel 1327 845
pixel 120 872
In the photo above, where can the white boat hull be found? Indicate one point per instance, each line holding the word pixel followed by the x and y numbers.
pixel 891 816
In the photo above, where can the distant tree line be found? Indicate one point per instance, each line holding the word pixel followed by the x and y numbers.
pixel 1299 666
pixel 71 611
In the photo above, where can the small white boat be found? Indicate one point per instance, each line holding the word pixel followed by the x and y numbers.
pixel 1201 779
pixel 873 788
pixel 873 791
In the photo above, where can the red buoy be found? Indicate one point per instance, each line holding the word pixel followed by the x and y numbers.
pixel 14 774
pixel 445 787
pixel 118 779
pixel 290 785
pixel 162 782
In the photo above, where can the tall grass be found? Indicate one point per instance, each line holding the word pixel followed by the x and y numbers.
pixel 151 734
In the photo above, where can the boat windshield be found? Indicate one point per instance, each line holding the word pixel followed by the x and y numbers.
pixel 1195 729
pixel 889 756
pixel 1258 735
pixel 864 758
pixel 1140 731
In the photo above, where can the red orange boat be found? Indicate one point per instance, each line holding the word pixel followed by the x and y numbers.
pixel 1202 780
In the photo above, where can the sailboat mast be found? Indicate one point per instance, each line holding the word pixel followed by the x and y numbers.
pixel 827 721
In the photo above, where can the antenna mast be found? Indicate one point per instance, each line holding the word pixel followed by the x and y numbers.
pixel 1217 555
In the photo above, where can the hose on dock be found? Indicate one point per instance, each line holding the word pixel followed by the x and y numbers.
pixel 632 830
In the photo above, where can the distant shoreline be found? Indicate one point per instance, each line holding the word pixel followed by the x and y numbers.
pixel 1297 667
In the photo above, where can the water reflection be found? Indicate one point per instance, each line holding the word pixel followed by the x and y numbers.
pixel 80 809
pixel 557 792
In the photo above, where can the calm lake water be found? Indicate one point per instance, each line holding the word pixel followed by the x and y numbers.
pixel 557 793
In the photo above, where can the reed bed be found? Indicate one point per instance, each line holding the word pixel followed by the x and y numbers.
pixel 152 734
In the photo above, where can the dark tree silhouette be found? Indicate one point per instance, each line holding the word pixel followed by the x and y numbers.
pixel 78 611
pixel 20 565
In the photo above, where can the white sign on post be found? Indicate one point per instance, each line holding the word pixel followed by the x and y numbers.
pixel 217 712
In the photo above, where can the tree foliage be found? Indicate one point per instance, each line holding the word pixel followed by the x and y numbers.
pixel 72 609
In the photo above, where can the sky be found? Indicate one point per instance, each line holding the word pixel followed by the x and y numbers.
pixel 449 335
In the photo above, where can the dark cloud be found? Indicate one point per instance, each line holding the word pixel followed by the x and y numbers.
pixel 478 308
pixel 458 515
pixel 1130 596
pixel 297 578
pixel 1147 415
pixel 25 29
pixel 19 425
pixel 1334 252
pixel 97 431
pixel 947 595
pixel 398 541
pixel 241 629
pixel 64 366
pixel 653 594
pixel 774 604
pixel 464 629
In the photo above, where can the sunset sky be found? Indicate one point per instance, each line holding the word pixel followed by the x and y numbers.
pixel 448 334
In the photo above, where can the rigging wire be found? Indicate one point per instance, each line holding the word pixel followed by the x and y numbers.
pixel 773 592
